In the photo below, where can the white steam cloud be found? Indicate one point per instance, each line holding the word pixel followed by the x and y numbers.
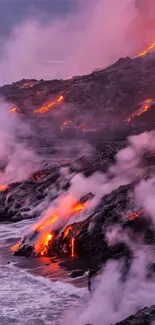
pixel 115 299
pixel 92 37
pixel 17 160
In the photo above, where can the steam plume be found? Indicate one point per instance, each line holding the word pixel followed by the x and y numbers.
pixel 17 159
pixel 92 37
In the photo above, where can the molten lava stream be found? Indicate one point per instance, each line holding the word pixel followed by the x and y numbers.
pixel 46 107
pixel 46 223
pixel 3 187
pixel 66 231
pixel 16 247
pixel 13 110
pixel 78 207
pixel 44 237
pixel 151 47
pixel 134 215
pixel 144 109
pixel 42 244
pixel 73 248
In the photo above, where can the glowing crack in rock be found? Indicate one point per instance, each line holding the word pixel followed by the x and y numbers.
pixel 13 110
pixel 73 248
pixel 16 247
pixel 3 187
pixel 145 108
pixel 151 47
pixel 134 215
pixel 45 234
pixel 46 107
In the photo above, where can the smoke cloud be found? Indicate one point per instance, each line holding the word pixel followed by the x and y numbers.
pixel 17 160
pixel 92 37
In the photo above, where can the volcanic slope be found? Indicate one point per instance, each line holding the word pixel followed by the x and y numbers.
pixel 79 126
pixel 108 104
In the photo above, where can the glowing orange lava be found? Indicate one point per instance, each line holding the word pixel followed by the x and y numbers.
pixel 152 46
pixel 3 187
pixel 39 176
pixel 46 107
pixel 134 215
pixel 13 110
pixel 45 244
pixel 144 109
pixel 149 100
pixel 78 207
pixel 16 247
pixel 64 124
pixel 60 99
pixel 26 84
pixel 44 236
pixel 68 228
pixel 73 248
pixel 48 222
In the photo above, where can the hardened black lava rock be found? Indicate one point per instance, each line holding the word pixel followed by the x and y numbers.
pixel 95 107
pixel 145 316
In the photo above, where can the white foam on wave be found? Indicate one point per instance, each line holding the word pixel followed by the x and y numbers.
pixel 30 299
pixel 11 230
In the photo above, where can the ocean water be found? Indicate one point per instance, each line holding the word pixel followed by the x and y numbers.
pixel 29 299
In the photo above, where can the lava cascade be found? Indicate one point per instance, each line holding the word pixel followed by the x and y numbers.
pixel 13 110
pixel 134 215
pixel 46 107
pixel 145 108
pixel 144 52
pixel 45 234
pixel 3 187
pixel 45 239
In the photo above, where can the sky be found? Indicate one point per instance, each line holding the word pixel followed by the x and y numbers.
pixel 13 12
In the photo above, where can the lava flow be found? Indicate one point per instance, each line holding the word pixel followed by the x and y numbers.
pixel 13 110
pixel 47 222
pixel 45 244
pixel 16 247
pixel 78 207
pixel 39 176
pixel 26 84
pixel 144 109
pixel 73 247
pixel 44 232
pixel 66 232
pixel 151 47
pixel 3 187
pixel 46 107
pixel 134 215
